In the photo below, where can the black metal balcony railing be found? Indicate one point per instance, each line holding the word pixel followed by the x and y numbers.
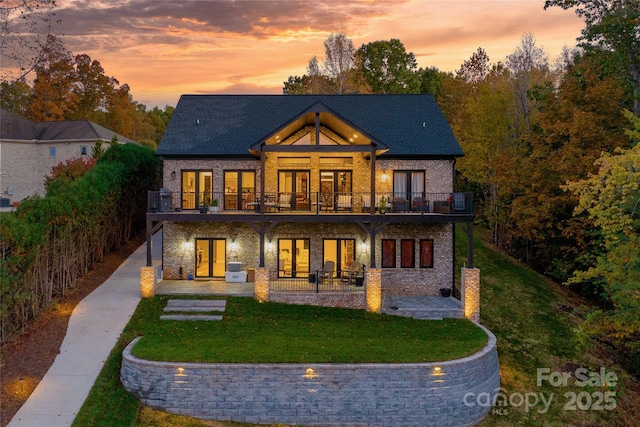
pixel 315 282
pixel 312 203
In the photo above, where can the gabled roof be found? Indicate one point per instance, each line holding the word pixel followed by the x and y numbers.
pixel 229 125
pixel 15 127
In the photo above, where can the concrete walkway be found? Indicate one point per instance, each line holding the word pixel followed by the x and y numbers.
pixel 94 328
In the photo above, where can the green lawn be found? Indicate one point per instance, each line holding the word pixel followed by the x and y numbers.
pixel 253 332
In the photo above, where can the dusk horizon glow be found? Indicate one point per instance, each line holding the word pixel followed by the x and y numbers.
pixel 164 49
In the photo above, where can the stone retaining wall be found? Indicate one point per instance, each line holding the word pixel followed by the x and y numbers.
pixel 421 394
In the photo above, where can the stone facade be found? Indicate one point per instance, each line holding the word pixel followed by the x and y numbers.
pixel 148 280
pixel 470 294
pixel 179 243
pixel 423 394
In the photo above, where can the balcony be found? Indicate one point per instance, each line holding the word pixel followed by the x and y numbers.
pixel 319 204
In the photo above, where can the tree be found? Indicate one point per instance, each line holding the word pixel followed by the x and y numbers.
pixel 15 97
pixel 337 73
pixel 611 198
pixel 577 121
pixel 529 68
pixel 339 60
pixel 91 86
pixel 614 26
pixel 53 95
pixel 388 68
pixel 431 80
pixel 475 69
pixel 25 27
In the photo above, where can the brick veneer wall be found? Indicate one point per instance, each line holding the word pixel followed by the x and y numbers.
pixel 421 394
pixel 398 281
pixel 324 299
pixel 395 281
pixel 25 164
pixel 438 177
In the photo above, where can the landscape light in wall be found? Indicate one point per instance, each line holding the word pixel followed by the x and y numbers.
pixel 310 374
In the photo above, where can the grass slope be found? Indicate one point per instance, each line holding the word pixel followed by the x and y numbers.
pixel 532 319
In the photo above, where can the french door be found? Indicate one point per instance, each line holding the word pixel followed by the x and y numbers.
pixel 408 184
pixel 293 257
pixel 196 188
pixel 295 183
pixel 210 257
pixel 341 251
pixel 239 189
pixel 332 184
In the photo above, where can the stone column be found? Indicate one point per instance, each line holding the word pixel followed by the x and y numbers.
pixel 261 284
pixel 470 293
pixel 147 282
pixel 373 289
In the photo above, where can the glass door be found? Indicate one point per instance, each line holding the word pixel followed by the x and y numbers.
pixel 293 258
pixel 239 189
pixel 341 251
pixel 210 257
pixel 295 183
pixel 334 184
pixel 196 188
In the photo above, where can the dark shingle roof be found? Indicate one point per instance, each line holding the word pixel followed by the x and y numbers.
pixel 13 126
pixel 228 125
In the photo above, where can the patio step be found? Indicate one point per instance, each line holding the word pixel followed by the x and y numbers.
pixel 190 317
pixel 425 313
pixel 197 303
pixel 194 306
pixel 424 308
pixel 193 309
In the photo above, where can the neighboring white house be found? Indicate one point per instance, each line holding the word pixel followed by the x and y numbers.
pixel 28 151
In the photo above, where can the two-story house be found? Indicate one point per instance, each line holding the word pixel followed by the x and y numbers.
pixel 314 188
pixel 28 151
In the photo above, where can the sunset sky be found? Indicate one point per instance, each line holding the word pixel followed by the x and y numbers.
pixel 165 48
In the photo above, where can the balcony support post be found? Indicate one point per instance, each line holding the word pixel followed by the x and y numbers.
pixel 469 232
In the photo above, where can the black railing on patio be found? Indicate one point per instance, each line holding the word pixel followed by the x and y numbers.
pixel 316 282
pixel 312 203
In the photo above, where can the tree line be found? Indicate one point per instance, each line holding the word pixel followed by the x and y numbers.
pixel 550 149
pixel 75 87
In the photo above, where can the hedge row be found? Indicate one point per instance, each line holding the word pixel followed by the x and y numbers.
pixel 48 243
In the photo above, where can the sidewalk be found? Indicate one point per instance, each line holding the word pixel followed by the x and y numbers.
pixel 94 328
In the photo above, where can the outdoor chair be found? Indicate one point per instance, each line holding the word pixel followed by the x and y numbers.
pixel 344 202
pixel 459 202
pixel 284 201
pixel 326 274
pixel 366 202
pixel 420 204
pixel 400 204
pixel 350 275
